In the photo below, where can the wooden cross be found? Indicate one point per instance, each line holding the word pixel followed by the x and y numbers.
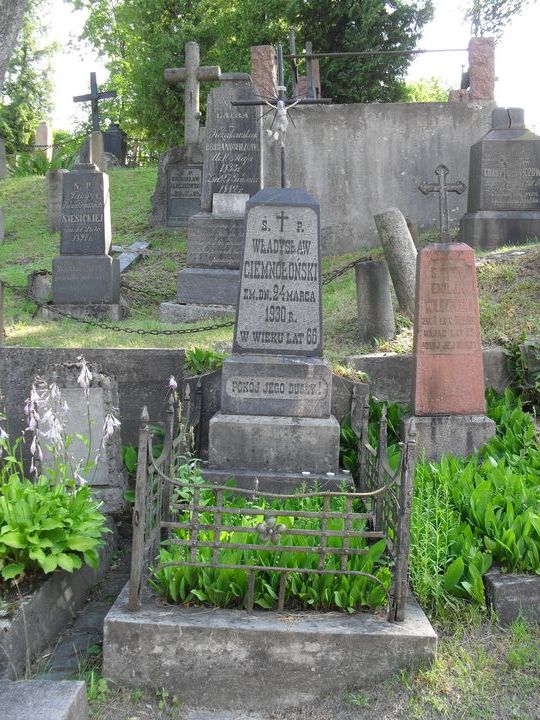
pixel 191 75
pixel 94 97
pixel 443 188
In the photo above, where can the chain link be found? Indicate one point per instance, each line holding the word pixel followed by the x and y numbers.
pixel 23 292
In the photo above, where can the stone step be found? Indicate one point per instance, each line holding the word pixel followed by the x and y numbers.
pixel 43 700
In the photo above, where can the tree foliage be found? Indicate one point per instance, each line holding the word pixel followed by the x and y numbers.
pixel 27 94
pixel 11 18
pixel 142 37
pixel 490 17
pixel 426 90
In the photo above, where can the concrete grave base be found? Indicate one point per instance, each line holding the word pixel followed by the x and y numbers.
pixel 85 279
pixel 458 435
pixel 508 596
pixel 494 228
pixel 216 286
pixel 92 311
pixel 170 312
pixel 279 482
pixel 46 613
pixel 43 699
pixel 264 442
pixel 263 661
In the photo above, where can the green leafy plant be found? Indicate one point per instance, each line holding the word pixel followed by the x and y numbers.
pixel 201 360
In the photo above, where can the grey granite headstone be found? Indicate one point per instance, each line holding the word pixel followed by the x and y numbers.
pixel 3 160
pixel 1 225
pixel 232 147
pixel 504 184
pixel 275 421
pixel 85 278
pixel 86 213
pixel 178 191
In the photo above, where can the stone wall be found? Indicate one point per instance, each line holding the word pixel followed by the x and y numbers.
pixel 359 159
pixel 142 376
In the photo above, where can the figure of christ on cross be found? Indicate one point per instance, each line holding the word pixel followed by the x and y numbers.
pixel 281 104
pixel 191 75
pixel 443 188
pixel 94 97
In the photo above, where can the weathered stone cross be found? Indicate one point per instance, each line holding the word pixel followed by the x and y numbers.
pixel 442 187
pixel 191 75
pixel 94 98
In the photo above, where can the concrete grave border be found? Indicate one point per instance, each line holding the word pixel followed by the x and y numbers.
pixel 510 595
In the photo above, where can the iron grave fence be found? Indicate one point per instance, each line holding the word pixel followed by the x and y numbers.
pixel 343 526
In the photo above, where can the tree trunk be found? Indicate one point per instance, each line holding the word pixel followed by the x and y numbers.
pixel 11 17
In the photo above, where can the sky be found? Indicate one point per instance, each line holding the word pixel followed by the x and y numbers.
pixel 515 60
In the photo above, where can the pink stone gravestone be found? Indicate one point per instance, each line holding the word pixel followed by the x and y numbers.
pixel 448 384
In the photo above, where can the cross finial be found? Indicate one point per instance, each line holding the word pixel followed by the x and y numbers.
pixel 443 188
pixel 94 97
pixel 191 75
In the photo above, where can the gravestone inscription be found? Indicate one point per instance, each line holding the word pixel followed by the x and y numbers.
pixel 86 215
pixel 184 184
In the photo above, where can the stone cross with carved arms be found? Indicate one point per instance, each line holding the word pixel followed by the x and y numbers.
pixel 94 97
pixel 191 75
pixel 442 187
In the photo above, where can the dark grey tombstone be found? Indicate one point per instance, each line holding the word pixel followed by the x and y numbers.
pixel 232 146
pixel 115 143
pixel 178 191
pixel 3 159
pixel 86 213
pixel 275 422
pixel 504 184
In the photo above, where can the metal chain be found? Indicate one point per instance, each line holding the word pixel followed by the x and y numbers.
pixel 20 290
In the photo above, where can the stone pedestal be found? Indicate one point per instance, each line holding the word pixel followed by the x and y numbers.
pixel 503 206
pixel 55 179
pixel 44 140
pixel 178 191
pixel 374 302
pixel 448 381
pixel 97 149
pixel 86 279
pixel 400 253
pixel 3 159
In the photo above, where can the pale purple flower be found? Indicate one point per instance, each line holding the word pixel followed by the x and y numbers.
pixel 55 392
pixel 54 431
pixel 35 449
pixel 172 383
pixel 85 376
pixel 3 434
pixel 80 480
pixel 110 425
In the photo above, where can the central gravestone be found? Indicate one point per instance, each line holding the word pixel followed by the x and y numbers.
pixel 208 286
pixel 275 421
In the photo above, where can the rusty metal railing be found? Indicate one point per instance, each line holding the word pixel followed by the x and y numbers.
pixel 343 526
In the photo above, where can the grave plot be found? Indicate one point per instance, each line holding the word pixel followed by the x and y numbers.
pixel 266 550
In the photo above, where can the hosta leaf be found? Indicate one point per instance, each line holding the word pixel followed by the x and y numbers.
pixel 11 571
pixel 453 574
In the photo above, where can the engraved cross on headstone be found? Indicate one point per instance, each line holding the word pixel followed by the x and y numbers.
pixel 442 187
pixel 191 75
pixel 94 97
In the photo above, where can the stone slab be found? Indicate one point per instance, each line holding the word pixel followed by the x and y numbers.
pixel 170 312
pixel 280 482
pixel 178 189
pixel 458 435
pixel 448 377
pixel 48 611
pixel 208 286
pixel 85 227
pixel 374 302
pixel 2 231
pixel 232 145
pixel 83 280
pixel 279 306
pixel 262 661
pixel 276 385
pixel 487 229
pixel 44 699
pixel 509 596
pixel 90 311
pixel 215 241
pixel 131 255
pixel 258 442
pixel 229 204
pixel 55 179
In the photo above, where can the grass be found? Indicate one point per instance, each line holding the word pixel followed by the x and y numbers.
pixel 482 672
pixel 509 287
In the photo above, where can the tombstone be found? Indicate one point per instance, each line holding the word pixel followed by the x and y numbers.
pixel 95 152
pixel 3 159
pixel 400 253
pixel 179 185
pixel 108 478
pixel 208 286
pixel 115 143
pixel 374 302
pixel 86 279
pixel 54 198
pixel 1 226
pixel 44 140
pixel 275 421
pixel 504 184
pixel 448 380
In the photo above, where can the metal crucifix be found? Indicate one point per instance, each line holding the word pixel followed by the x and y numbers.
pixel 443 188
pixel 280 103
pixel 94 97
